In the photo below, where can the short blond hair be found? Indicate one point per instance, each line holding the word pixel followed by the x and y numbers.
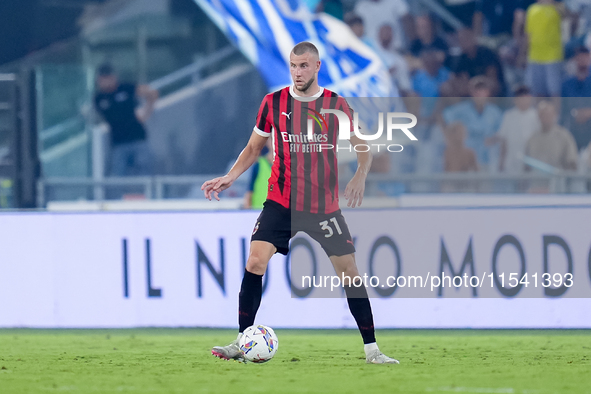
pixel 305 47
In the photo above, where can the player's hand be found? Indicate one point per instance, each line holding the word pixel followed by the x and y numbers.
pixel 216 186
pixel 355 190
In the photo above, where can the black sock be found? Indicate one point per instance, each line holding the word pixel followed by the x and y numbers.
pixel 361 310
pixel 249 299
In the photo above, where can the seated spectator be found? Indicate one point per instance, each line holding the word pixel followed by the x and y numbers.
pixel 552 144
pixel 457 157
pixel 480 117
pixel 397 65
pixel 395 62
pixel 427 81
pixel 518 125
pixel 395 13
pixel 358 28
pixel 577 99
pixel 477 60
pixel 426 37
pixel 545 51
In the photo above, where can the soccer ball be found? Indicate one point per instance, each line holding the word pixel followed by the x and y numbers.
pixel 258 344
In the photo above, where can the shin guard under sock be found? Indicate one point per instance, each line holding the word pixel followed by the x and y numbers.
pixel 249 299
pixel 361 310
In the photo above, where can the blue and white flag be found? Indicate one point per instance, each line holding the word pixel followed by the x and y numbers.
pixel 266 31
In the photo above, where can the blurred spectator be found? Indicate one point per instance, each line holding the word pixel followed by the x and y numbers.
pixel 358 28
pixel 519 16
pixel 395 62
pixel 580 13
pixel 495 17
pixel 428 80
pixel 426 37
pixel 480 117
pixel 512 52
pixel 395 13
pixel 577 98
pixel 552 144
pixel 474 61
pixel 117 103
pixel 545 50
pixel 256 194
pixel 518 125
pixel 458 157
pixel 502 17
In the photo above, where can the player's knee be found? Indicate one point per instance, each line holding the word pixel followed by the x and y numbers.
pixel 256 264
pixel 346 265
pixel 352 271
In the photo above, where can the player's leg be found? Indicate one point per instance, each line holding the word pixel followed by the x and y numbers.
pixel 251 290
pixel 270 235
pixel 360 307
pixel 249 298
pixel 332 232
pixel 357 297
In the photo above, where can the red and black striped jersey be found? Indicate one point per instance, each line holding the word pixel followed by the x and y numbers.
pixel 304 175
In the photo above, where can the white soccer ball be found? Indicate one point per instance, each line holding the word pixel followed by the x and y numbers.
pixel 258 344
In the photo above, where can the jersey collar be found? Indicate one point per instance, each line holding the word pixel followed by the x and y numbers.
pixel 306 99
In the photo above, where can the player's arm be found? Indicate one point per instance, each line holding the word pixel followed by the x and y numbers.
pixel 247 158
pixel 356 186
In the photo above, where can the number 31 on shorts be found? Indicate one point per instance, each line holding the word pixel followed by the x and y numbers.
pixel 326 227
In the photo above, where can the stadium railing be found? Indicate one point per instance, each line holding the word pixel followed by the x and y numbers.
pixel 385 185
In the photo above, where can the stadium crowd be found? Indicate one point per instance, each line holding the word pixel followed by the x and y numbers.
pixel 500 81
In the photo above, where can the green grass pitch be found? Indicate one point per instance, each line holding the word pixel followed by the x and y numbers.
pixel 308 361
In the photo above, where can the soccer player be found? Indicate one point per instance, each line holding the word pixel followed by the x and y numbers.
pixel 302 193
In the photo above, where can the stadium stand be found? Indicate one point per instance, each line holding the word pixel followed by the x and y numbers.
pixel 434 50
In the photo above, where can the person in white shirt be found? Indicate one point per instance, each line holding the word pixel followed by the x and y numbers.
pixel 376 13
pixel 518 125
pixel 552 143
pixel 394 61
